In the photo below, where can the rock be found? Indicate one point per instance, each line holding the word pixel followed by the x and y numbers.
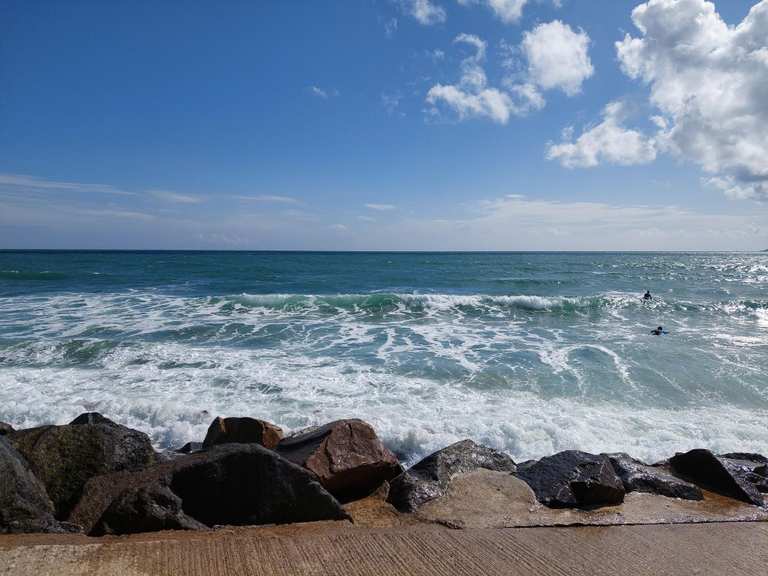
pixel 190 448
pixel 347 457
pixel 639 477
pixel 24 505
pixel 146 509
pixel 574 479
pixel 236 484
pixel 242 430
pixel 748 456
pixel 5 429
pixel 65 457
pixel 431 477
pixel 482 499
pixel 92 418
pixel 737 478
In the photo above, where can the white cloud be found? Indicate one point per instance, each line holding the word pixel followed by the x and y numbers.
pixel 175 197
pixel 608 141
pixel 508 11
pixel 515 223
pixel 269 198
pixel 35 183
pixel 381 207
pixel 558 57
pixel 471 97
pixel 320 92
pixel 390 27
pixel 709 81
pixel 424 11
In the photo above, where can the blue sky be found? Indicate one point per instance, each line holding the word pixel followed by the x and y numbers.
pixel 384 124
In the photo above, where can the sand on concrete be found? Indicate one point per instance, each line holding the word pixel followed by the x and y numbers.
pixel 727 549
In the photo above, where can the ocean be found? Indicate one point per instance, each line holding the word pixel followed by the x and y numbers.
pixel 530 353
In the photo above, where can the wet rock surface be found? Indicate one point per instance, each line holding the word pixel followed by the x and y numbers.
pixel 739 478
pixel 5 429
pixel 346 456
pixel 190 448
pixel 639 477
pixel 574 479
pixel 64 458
pixel 242 430
pixel 24 504
pixel 234 484
pixel 431 477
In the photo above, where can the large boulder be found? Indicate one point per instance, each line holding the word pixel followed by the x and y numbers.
pixel 24 505
pixel 639 477
pixel 242 430
pixel 574 479
pixel 236 484
pixel 148 508
pixel 64 458
pixel 346 456
pixel 5 429
pixel 431 477
pixel 738 477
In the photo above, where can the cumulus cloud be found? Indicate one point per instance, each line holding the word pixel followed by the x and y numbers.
pixel 608 141
pixel 424 11
pixel 708 81
pixel 508 11
pixel 471 96
pixel 557 57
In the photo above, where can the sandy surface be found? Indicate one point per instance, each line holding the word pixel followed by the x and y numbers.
pixel 717 548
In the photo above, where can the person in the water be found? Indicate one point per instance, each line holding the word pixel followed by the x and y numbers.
pixel 658 331
pixel 647 295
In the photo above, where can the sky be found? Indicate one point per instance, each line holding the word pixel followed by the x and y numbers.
pixel 384 125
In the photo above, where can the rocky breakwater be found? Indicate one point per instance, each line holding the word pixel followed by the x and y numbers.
pixel 98 477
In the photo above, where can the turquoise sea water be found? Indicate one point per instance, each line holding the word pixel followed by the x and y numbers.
pixel 528 352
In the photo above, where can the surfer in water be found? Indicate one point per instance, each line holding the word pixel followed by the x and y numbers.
pixel 658 331
pixel 647 295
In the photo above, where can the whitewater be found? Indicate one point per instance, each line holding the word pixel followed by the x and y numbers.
pixel 530 353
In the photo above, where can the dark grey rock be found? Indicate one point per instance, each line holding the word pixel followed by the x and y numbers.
pixel 190 448
pixel 431 477
pixel 347 457
pixel 64 457
pixel 92 418
pixel 737 478
pixel 236 484
pixel 574 479
pixel 5 429
pixel 639 477
pixel 242 430
pixel 24 505
pixel 145 509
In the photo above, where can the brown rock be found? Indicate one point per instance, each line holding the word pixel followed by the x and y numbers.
pixel 348 458
pixel 242 430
